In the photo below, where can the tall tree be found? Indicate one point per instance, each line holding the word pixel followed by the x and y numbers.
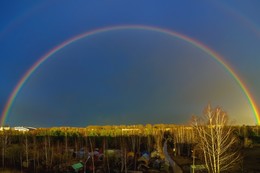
pixel 216 140
pixel 5 134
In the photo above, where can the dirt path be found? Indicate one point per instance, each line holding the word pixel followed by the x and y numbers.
pixel 175 167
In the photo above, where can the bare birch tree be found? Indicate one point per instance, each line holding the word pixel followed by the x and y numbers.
pixel 216 140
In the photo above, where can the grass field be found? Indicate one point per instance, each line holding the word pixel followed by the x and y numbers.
pixel 251 161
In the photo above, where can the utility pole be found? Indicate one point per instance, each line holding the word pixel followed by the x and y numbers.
pixel 193 161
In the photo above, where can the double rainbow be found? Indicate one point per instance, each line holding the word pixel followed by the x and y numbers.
pixel 195 43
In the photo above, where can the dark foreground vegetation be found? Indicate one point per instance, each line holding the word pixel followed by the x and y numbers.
pixel 112 148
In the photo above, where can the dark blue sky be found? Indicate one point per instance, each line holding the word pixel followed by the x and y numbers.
pixel 127 76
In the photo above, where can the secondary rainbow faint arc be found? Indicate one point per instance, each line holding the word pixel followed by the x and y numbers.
pixel 196 43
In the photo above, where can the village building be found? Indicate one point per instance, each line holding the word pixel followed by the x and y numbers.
pixel 24 129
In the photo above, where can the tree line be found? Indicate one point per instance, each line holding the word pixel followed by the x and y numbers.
pixel 209 137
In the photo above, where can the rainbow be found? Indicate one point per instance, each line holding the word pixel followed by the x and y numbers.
pixel 195 43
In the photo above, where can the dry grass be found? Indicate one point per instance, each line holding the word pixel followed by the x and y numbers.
pixel 251 159
pixel 10 171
